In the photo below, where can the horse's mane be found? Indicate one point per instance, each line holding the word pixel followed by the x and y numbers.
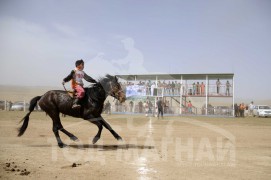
pixel 102 81
pixel 106 79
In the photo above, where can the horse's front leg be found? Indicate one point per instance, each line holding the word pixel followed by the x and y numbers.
pixel 107 126
pixel 100 127
pixel 98 135
pixel 71 136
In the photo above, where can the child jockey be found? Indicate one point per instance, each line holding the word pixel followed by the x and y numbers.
pixel 76 76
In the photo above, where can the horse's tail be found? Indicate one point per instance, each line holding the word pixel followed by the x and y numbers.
pixel 32 106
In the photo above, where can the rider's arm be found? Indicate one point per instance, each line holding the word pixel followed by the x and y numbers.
pixel 89 79
pixel 69 77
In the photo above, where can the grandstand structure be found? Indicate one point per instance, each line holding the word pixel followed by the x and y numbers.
pixel 209 94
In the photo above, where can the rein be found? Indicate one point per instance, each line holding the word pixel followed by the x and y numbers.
pixel 64 87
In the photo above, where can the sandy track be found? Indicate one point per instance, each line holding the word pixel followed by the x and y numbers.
pixel 172 148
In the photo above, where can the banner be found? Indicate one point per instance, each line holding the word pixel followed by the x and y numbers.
pixel 135 90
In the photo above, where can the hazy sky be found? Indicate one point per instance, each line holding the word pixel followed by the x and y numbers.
pixel 40 40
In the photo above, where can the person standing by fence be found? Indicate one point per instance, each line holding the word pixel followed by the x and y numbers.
pixel 242 110
pixel 228 85
pixel 140 106
pixel 251 107
pixel 9 104
pixel 194 88
pixel 202 88
pixel 189 105
pixel 178 88
pixel 159 104
pixel 218 83
pixel 107 108
pixel 131 106
pixel 236 110
pixel 146 107
pixel 198 88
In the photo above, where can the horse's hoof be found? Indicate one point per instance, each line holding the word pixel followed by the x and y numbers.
pixel 95 139
pixel 62 145
pixel 119 138
pixel 74 138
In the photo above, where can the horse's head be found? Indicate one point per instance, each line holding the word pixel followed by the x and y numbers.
pixel 113 88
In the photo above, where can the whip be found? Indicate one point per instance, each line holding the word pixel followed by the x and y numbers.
pixel 64 87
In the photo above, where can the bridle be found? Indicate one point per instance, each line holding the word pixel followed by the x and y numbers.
pixel 113 94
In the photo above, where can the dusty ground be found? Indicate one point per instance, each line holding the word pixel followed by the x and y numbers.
pixel 172 148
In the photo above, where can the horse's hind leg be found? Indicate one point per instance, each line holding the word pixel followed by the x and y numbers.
pixel 58 126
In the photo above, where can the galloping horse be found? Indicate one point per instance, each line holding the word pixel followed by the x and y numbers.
pixel 55 101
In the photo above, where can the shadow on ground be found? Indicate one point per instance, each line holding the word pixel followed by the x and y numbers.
pixel 111 147
pixel 102 147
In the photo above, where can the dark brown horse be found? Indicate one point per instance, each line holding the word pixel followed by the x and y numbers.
pixel 55 101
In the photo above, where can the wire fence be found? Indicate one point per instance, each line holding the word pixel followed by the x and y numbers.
pixel 135 109
pixel 16 106
pixel 172 110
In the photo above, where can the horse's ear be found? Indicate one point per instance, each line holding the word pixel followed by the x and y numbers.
pixel 107 76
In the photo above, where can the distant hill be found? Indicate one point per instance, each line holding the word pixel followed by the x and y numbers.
pixel 20 93
pixel 256 101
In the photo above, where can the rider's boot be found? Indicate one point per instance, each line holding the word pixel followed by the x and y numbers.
pixel 75 104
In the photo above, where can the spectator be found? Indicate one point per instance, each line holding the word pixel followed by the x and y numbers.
pixel 9 104
pixel 246 110
pixel 117 106
pixel 242 110
pixel 124 107
pixel 159 104
pixel 178 88
pixel 166 110
pixel 228 85
pixel 148 88
pixel 159 84
pixel 172 88
pixel 185 89
pixel 218 83
pixel 164 86
pixel 107 108
pixel 146 107
pixel 202 89
pixel 251 107
pixel 189 105
pixel 152 89
pixel 131 106
pixel 140 106
pixel 168 88
pixel 150 106
pixel 236 110
pixel 198 88
pixel 194 88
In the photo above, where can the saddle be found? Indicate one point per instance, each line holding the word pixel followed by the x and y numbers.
pixel 72 94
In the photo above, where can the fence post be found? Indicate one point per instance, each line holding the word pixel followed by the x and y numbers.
pixel 5 105
pixel 24 106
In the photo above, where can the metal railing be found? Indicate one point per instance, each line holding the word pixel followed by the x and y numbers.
pixel 174 110
pixel 187 90
pixel 16 106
